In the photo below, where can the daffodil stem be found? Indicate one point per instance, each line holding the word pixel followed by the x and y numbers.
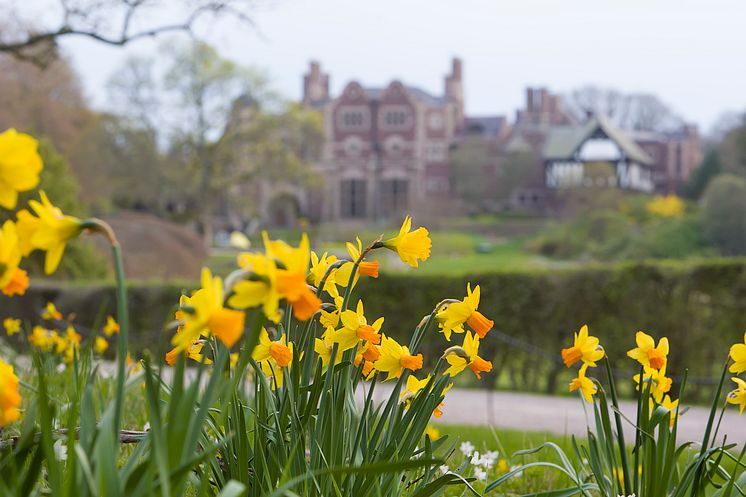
pixel 708 430
pixel 619 427
pixel 123 343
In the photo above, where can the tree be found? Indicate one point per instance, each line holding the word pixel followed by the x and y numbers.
pixel 638 111
pixel 710 167
pixel 724 214
pixel 222 128
pixel 113 22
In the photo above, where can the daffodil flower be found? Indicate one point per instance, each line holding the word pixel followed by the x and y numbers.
pixel 412 246
pixel 451 317
pixel 738 396
pixel 324 350
pixel 319 267
pixel 413 387
pixel 459 358
pixel 100 345
pixel 366 268
pixel 207 313
pixel 279 351
pixel 51 313
pixel 671 405
pixel 10 252
pixel 738 354
pixel 12 326
pixel 10 396
pixel 20 165
pixel 647 353
pixel 18 283
pixel 395 358
pixel 111 326
pixel 49 231
pixel 356 328
pixel 193 352
pixel 660 384
pixel 585 348
pixel 586 386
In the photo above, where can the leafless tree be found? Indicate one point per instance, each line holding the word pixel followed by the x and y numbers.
pixel 112 22
pixel 638 111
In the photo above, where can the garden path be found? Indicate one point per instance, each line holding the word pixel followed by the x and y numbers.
pixel 559 415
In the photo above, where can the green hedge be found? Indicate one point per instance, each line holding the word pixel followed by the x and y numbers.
pixel 700 307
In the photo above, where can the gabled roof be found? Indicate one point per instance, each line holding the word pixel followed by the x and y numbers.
pixel 563 141
pixel 415 92
pixel 486 125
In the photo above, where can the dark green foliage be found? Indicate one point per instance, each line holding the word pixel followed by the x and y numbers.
pixel 699 307
pixel 711 166
pixel 724 214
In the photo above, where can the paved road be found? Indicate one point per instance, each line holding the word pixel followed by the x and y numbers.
pixel 560 415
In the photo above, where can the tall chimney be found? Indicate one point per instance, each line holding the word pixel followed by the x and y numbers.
pixel 315 85
pixel 454 88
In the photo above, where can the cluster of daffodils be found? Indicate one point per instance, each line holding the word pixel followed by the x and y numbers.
pixel 41 226
pixel 738 356
pixel 285 281
pixel 653 360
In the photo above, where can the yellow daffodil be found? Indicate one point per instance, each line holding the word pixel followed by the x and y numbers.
pixel 432 432
pixel 366 268
pixel 660 384
pixel 100 345
pixel 329 319
pixel 671 405
pixel 585 348
pixel 10 396
pixel 20 165
pixel 319 267
pixel 412 246
pixel 467 355
pixel 10 253
pixel 12 326
pixel 451 317
pixel 285 278
pixel 356 328
pixel 324 350
pixel 395 358
pixel 42 338
pixel 49 231
pixel 111 326
pixel 738 396
pixel 279 351
pixel 503 466
pixel 367 354
pixel 18 283
pixel 738 354
pixel 194 352
pixel 275 375
pixel 413 386
pixel 647 353
pixel 50 313
pixel 207 313
pixel 586 386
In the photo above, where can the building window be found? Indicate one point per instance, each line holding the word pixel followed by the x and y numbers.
pixel 353 197
pixel 435 152
pixel 436 121
pixel 394 194
pixel 395 117
pixel 353 117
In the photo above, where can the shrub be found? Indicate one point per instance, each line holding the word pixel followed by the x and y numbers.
pixel 724 214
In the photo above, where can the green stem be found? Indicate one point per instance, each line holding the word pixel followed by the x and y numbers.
pixel 123 343
pixel 619 428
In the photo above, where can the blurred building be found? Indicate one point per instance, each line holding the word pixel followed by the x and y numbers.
pixel 387 148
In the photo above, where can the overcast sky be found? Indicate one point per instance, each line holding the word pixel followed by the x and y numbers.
pixel 692 54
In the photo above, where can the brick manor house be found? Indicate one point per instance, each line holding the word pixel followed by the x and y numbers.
pixel 387 150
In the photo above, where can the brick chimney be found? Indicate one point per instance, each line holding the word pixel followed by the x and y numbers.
pixel 454 88
pixel 315 85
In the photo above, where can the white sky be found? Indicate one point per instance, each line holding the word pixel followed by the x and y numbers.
pixel 692 54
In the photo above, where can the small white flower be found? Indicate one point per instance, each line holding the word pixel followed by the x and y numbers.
pixel 444 469
pixel 146 427
pixel 467 448
pixel 60 450
pixel 61 368
pixel 480 474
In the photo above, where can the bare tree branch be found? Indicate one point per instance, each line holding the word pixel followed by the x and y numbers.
pixel 40 46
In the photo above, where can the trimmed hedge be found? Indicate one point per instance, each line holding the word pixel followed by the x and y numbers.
pixel 700 307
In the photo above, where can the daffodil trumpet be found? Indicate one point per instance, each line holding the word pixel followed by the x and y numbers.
pixel 353 271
